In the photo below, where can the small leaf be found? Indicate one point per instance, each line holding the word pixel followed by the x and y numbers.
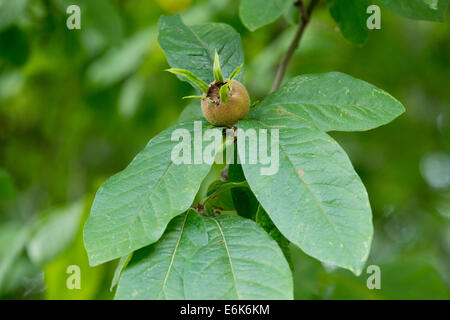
pixel 132 209
pixel 218 198
pixel 431 10
pixel 263 220
pixel 193 97
pixel 224 91
pixel 191 77
pixel 218 77
pixel 199 97
pixel 192 47
pixel 235 73
pixel 123 262
pixel 244 200
pixel 257 13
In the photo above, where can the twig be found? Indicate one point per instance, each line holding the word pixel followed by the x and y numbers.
pixel 305 16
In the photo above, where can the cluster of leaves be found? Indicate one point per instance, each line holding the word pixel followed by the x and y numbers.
pixel 316 200
pixel 54 80
pixel 350 16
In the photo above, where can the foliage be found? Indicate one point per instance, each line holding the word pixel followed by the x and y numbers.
pixel 77 106
pixel 316 200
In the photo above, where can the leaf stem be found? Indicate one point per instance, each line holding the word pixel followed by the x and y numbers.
pixel 305 15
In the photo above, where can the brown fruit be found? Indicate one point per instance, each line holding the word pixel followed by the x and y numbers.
pixel 226 114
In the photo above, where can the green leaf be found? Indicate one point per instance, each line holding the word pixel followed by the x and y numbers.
pixel 192 48
pixel 157 271
pixel 291 15
pixel 257 13
pixel 351 18
pixel 121 60
pixel 235 73
pixel 263 220
pixel 132 209
pixel 208 258
pixel 10 11
pixel 218 77
pixel 316 199
pixel 244 200
pixel 191 77
pixel 431 10
pixel 193 97
pixel 123 262
pixel 199 97
pixel 219 196
pixel 334 102
pixel 240 261
pixel 55 233
pixel 131 95
pixel 224 90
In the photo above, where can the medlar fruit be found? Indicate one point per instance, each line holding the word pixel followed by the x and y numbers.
pixel 227 113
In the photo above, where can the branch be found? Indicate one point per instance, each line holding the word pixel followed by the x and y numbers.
pixel 305 16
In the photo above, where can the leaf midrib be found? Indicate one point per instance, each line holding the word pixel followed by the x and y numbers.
pixel 229 257
pixel 173 256
pixel 318 204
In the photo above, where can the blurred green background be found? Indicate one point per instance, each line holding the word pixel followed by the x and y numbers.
pixel 76 107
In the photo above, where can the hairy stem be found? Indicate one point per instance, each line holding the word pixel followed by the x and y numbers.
pixel 304 20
